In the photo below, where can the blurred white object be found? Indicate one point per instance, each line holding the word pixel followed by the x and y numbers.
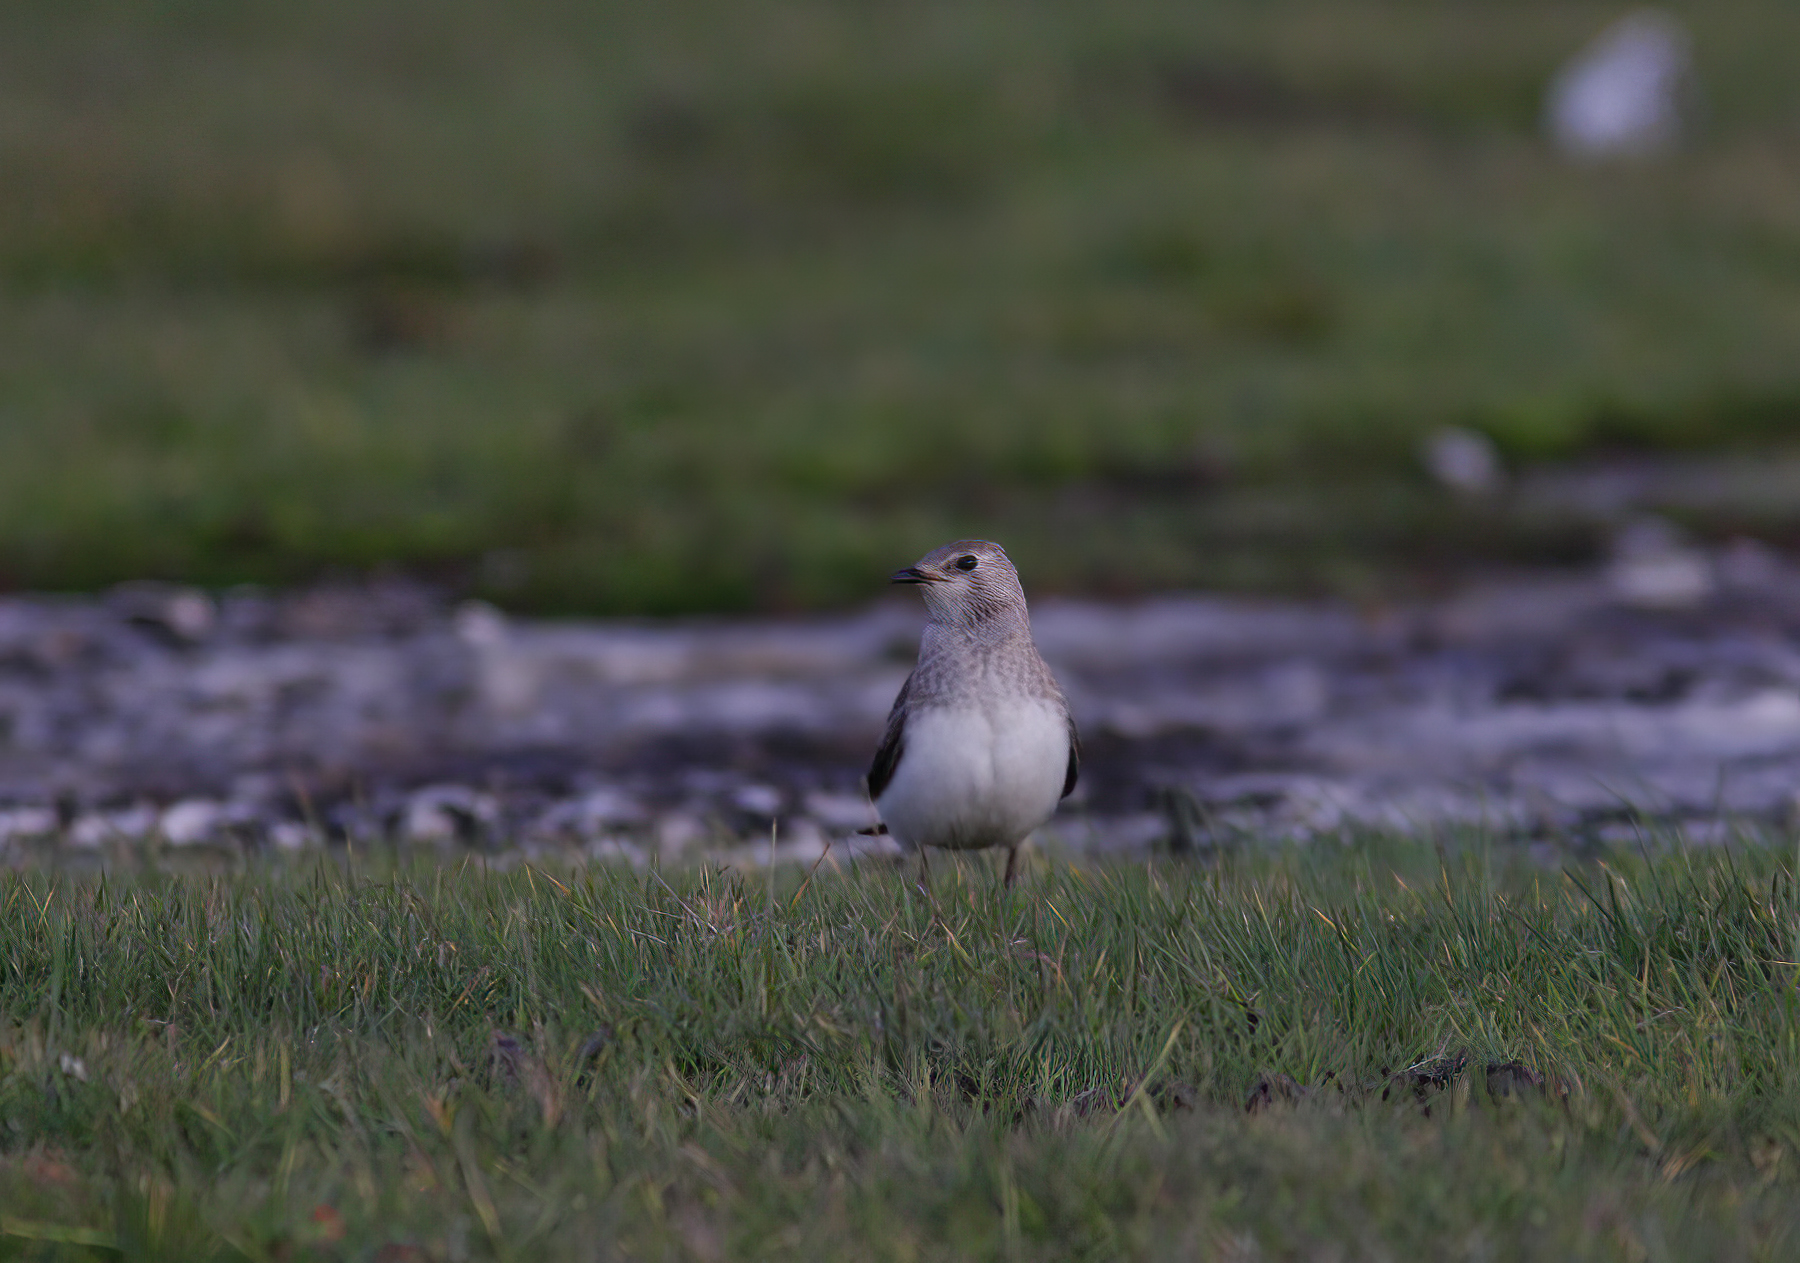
pixel 189 821
pixel 291 835
pixel 1464 461
pixel 1653 567
pixel 1623 95
pixel 26 822
pixel 187 614
pixel 507 679
pixel 758 800
pixel 443 813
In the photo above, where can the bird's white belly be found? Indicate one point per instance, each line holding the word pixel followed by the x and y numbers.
pixel 977 777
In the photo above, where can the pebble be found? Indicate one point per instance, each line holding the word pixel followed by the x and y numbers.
pixel 1655 568
pixel 190 821
pixel 26 823
pixel 1466 461
pixel 1623 96
pixel 1538 705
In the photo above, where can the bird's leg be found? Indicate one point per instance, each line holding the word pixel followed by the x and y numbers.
pixel 1012 861
pixel 924 873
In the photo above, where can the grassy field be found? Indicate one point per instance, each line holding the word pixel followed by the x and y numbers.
pixel 1468 1058
pixel 706 306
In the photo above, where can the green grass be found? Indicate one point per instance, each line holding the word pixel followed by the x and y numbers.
pixel 713 306
pixel 403 1064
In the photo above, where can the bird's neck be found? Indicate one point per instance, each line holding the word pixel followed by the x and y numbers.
pixel 991 658
pixel 984 629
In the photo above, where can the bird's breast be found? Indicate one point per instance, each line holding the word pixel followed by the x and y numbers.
pixel 977 776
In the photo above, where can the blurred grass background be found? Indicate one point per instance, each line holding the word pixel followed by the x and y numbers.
pixel 707 306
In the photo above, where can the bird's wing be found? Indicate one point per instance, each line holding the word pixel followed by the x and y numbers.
pixel 893 745
pixel 1074 772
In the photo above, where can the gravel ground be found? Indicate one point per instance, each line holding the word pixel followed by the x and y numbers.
pixel 1666 686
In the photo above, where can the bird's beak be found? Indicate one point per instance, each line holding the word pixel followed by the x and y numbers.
pixel 912 574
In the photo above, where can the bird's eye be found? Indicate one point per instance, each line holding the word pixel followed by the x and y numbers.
pixel 965 562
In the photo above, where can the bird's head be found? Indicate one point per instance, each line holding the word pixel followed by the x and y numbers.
pixel 970 581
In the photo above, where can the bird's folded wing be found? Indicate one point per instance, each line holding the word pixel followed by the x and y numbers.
pixel 1074 772
pixel 893 745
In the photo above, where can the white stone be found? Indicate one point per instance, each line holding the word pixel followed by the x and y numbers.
pixel 758 800
pixel 134 822
pixel 90 832
pixel 428 822
pixel 432 812
pixel 594 815
pixel 676 832
pixel 1654 568
pixel 607 805
pixel 190 821
pixel 509 679
pixel 291 835
pixel 26 822
pixel 190 615
pixel 1622 96
pixel 479 625
pixel 95 830
pixel 1465 461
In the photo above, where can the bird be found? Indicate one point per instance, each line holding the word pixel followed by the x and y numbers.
pixel 979 747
